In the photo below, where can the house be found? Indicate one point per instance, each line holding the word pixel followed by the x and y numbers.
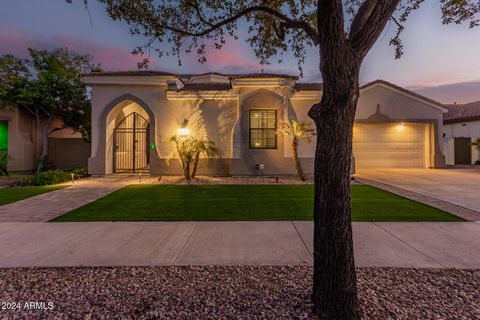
pixel 461 128
pixel 20 143
pixel 134 114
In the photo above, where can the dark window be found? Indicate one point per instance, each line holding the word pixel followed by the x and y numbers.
pixel 263 129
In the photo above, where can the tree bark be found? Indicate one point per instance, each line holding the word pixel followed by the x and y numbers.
pixel 298 165
pixel 186 169
pixel 196 159
pixel 43 161
pixel 334 283
pixel 334 286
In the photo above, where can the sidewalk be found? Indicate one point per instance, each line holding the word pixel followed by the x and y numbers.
pixel 416 245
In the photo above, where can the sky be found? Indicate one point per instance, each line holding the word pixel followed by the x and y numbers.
pixel 442 62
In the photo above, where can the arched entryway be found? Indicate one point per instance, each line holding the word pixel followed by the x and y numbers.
pixel 131 145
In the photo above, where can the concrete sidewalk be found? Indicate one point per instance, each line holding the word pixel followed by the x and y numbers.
pixel 418 245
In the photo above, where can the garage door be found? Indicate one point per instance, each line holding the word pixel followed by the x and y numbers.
pixel 390 145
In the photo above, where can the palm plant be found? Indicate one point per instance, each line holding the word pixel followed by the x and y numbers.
pixel 476 144
pixel 185 153
pixel 189 150
pixel 297 131
pixel 202 146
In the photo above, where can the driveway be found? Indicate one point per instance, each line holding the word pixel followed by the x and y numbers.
pixel 460 187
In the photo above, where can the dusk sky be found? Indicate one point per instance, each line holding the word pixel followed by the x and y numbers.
pixel 441 62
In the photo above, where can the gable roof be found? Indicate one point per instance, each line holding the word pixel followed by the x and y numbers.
pixel 462 112
pixel 410 93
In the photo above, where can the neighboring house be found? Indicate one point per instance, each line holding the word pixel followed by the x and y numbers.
pixel 461 128
pixel 134 114
pixel 20 139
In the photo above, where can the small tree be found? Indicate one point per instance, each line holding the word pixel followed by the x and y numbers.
pixel 203 147
pixel 185 153
pixel 48 86
pixel 297 131
pixel 189 150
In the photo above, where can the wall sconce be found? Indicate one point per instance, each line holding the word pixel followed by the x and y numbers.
pixel 183 131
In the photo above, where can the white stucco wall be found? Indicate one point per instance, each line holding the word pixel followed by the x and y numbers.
pixel 458 130
pixel 222 120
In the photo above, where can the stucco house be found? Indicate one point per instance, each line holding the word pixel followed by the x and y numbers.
pixel 135 113
pixel 461 128
pixel 20 143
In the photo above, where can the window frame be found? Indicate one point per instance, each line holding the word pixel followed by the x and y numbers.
pixel 250 129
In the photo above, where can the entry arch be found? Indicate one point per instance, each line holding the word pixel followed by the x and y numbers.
pixel 118 110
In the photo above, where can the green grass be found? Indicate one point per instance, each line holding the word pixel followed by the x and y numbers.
pixel 244 202
pixel 12 194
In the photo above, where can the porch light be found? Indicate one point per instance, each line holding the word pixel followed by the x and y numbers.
pixel 183 132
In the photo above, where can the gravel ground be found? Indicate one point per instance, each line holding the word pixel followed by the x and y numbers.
pixel 228 180
pixel 231 293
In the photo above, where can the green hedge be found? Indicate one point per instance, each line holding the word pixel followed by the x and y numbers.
pixel 53 177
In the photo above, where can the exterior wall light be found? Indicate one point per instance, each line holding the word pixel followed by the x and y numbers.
pixel 183 131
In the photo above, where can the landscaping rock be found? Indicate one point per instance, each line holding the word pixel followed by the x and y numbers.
pixel 237 292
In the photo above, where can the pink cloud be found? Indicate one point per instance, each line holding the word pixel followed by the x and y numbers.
pixel 111 57
pixel 230 59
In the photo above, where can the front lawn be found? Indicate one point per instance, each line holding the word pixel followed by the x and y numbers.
pixel 244 202
pixel 12 194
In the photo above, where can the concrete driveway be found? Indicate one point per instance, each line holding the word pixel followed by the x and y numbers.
pixel 457 186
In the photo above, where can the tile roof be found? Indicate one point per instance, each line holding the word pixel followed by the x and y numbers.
pixel 462 112
pixel 131 73
pixel 162 73
pixel 309 86
pixel 242 75
pixel 205 87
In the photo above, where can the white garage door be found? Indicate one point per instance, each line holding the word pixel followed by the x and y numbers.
pixel 390 145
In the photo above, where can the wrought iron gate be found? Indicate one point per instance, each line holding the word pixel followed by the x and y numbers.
pixel 131 145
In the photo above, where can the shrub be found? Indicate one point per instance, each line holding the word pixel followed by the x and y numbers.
pixel 52 177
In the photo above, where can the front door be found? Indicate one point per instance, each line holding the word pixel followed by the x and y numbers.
pixel 3 147
pixel 463 150
pixel 131 145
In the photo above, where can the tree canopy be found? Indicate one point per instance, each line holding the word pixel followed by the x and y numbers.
pixel 274 26
pixel 48 85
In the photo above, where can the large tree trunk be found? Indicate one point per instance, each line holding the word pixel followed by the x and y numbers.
pixel 334 287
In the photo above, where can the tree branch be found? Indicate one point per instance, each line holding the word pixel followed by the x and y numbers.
pixel 195 5
pixel 292 24
pixel 369 23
